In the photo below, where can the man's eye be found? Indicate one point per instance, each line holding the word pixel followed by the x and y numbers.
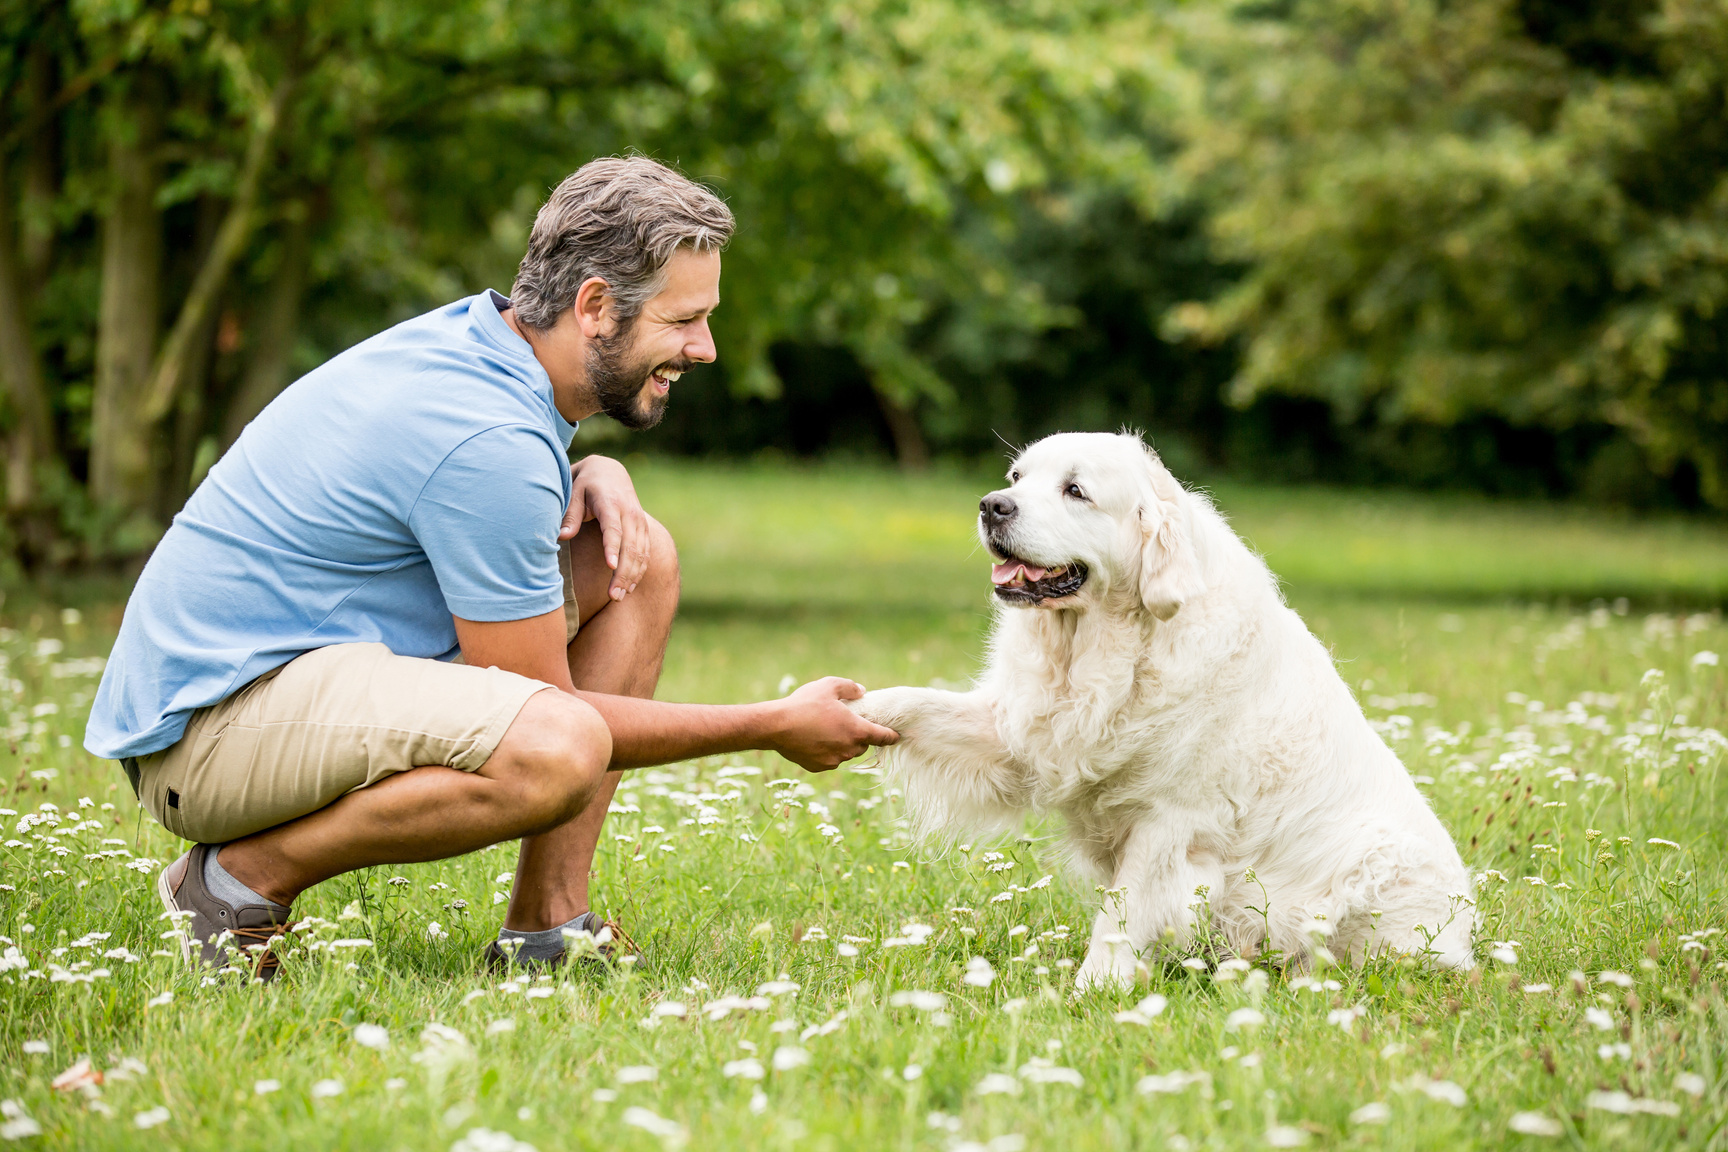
pixel 1074 491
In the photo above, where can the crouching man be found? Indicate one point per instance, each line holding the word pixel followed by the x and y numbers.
pixel 395 624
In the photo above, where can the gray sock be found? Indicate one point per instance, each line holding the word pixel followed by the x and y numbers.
pixel 224 887
pixel 547 945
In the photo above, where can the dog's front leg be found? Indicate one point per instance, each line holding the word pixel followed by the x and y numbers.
pixel 1153 902
pixel 956 771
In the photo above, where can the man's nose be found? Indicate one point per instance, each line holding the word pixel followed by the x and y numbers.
pixel 996 509
pixel 700 346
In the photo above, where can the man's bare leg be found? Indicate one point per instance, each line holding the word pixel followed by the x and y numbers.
pixel 618 650
pixel 549 766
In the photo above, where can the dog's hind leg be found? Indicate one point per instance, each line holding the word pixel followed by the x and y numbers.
pixel 1162 885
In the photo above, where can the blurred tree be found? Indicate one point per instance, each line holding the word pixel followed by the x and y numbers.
pixel 1454 208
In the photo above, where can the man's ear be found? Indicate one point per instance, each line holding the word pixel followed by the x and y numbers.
pixel 1169 569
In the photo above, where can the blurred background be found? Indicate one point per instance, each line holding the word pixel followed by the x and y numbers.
pixel 1476 246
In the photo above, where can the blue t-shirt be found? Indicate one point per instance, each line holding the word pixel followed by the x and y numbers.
pixel 420 474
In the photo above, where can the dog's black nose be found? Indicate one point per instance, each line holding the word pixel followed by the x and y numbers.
pixel 997 508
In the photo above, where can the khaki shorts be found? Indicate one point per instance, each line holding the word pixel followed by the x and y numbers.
pixel 325 724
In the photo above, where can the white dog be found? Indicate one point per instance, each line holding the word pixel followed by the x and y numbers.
pixel 1147 681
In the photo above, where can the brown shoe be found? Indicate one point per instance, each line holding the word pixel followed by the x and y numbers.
pixel 611 944
pixel 214 924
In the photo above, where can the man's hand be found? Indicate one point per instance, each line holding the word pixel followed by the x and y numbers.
pixel 601 490
pixel 816 731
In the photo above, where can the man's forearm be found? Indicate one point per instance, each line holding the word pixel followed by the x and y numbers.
pixel 646 732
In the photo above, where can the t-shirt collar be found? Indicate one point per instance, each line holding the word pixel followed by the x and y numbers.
pixel 487 310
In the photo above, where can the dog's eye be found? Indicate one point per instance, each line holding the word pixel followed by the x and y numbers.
pixel 1014 477
pixel 1074 491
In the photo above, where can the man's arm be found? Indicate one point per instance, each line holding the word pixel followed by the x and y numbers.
pixel 813 728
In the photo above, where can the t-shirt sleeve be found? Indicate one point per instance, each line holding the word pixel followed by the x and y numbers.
pixel 488 521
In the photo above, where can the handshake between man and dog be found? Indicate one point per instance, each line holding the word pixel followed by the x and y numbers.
pixel 1147 681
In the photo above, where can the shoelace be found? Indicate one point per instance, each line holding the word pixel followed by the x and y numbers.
pixel 265 962
pixel 618 933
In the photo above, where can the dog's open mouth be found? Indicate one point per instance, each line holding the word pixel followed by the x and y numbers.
pixel 1020 582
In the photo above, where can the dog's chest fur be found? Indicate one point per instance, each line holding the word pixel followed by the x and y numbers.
pixel 1092 715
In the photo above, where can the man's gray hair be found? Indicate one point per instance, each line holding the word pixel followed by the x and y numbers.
pixel 621 219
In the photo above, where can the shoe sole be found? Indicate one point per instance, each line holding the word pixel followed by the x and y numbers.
pixel 166 895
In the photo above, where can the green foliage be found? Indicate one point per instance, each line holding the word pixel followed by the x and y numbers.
pixel 1454 208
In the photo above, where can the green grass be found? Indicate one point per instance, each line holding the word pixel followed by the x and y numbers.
pixel 1450 614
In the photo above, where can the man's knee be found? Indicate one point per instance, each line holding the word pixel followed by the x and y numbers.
pixel 552 759
pixel 662 572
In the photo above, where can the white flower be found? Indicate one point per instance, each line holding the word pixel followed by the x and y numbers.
pixel 1143 1012
pixel 486 1140
pixel 151 1118
pixel 922 1001
pixel 1445 1092
pixel 324 1089
pixel 1041 1071
pixel 1657 840
pixel 912 935
pixel 749 1068
pixel 998 1084
pixel 672 1008
pixel 1704 658
pixel 1535 1124
pixel 669 1131
pixel 1626 1105
pixel 1174 1082
pixel 436 931
pixel 18 1125
pixel 1375 1113
pixel 1243 1018
pixel 442 1047
pixel 979 973
pixel 1504 955
pixel 36 1047
pixel 777 988
pixel 1599 1018
pixel 758 1102
pixel 912 1072
pixel 603 1096
pixel 788 1058
pixel 1284 1136
pixel 1616 978
pixel 265 1087
pixel 160 1001
pixel 1193 963
pixel 373 1036
pixel 1537 989
pixel 1346 1018
pixel 1690 1083
pixel 500 1026
pixel 636 1074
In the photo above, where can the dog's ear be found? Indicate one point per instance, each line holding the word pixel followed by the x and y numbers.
pixel 1169 569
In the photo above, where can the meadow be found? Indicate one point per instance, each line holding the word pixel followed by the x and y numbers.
pixel 812 980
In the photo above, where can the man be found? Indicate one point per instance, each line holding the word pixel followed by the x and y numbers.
pixel 383 629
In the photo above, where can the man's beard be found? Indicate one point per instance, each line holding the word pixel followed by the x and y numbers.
pixel 619 380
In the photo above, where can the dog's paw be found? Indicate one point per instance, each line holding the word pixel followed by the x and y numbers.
pixel 1108 965
pixel 890 707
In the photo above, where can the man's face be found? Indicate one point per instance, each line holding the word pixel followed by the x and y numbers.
pixel 633 369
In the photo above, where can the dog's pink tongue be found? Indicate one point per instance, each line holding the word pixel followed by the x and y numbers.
pixel 1005 573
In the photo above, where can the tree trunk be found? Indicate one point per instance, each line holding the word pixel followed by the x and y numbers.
pixel 169 371
pixel 41 184
pixel 275 328
pixel 30 439
pixel 128 324
pixel 910 448
pixel 178 436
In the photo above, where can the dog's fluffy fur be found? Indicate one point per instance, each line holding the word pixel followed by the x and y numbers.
pixel 1181 718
